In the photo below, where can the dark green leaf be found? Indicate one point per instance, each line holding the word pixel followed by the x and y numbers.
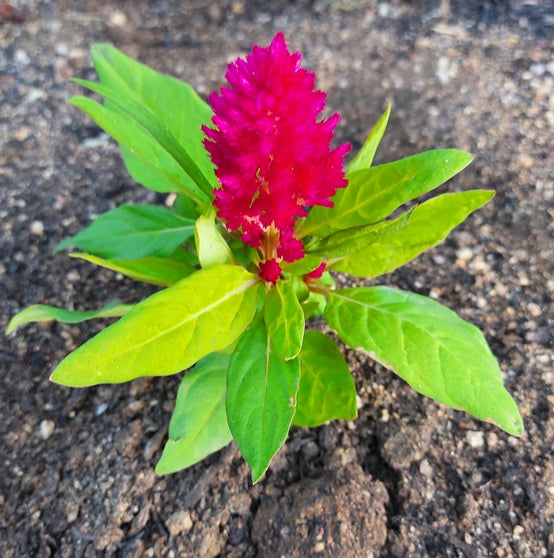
pixel 155 128
pixel 156 271
pixel 167 332
pixel 429 224
pixel 45 313
pixel 174 103
pixel 326 390
pixel 261 397
pixel 284 320
pixel 144 147
pixel 198 425
pixel 364 157
pixel 373 194
pixel 429 346
pixel 130 232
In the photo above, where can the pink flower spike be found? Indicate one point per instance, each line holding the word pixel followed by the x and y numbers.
pixel 272 155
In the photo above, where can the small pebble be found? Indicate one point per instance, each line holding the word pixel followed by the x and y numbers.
pixel 425 468
pixel 476 439
pixel 45 429
pixel 518 531
pixel 101 409
pixel 179 522
pixel 37 228
pixel 118 19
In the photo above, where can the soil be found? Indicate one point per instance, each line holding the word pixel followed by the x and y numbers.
pixel 409 477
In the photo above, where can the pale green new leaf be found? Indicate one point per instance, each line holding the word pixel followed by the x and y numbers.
pixel 167 332
pixel 261 397
pixel 46 313
pixel 284 319
pixel 156 271
pixel 364 157
pixel 429 224
pixel 210 244
pixel 326 390
pixel 198 425
pixel 373 194
pixel 174 103
pixel 129 232
pixel 429 346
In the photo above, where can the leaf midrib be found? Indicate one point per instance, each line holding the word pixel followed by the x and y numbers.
pixel 190 317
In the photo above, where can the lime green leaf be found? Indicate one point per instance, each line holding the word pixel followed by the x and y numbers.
pixel 156 271
pixel 210 245
pixel 349 241
pixel 373 194
pixel 174 103
pixel 364 157
pixel 150 123
pixel 430 223
pixel 302 267
pixel 261 397
pixel 326 390
pixel 129 232
pixel 429 346
pixel 284 320
pixel 167 332
pixel 198 425
pixel 46 313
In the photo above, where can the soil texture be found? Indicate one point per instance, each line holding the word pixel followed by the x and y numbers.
pixel 409 477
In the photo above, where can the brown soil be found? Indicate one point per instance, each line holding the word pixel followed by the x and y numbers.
pixel 409 477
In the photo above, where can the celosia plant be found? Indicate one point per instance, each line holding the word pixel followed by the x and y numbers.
pixel 264 211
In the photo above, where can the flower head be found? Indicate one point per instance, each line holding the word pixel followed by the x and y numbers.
pixel 272 155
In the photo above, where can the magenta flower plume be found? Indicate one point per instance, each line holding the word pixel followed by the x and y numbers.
pixel 272 155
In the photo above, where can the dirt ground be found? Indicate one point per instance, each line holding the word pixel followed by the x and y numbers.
pixel 409 477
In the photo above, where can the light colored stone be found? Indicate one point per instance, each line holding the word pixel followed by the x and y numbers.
pixel 179 522
pixel 475 438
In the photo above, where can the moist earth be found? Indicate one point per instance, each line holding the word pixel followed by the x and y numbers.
pixel 409 477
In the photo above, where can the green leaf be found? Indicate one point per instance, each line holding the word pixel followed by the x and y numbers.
pixel 210 245
pixel 429 346
pixel 198 425
pixel 130 232
pixel 156 271
pixel 150 123
pixel 143 146
pixel 314 305
pixel 284 319
pixel 174 103
pixel 167 332
pixel 429 224
pixel 46 313
pixel 364 157
pixel 373 194
pixel 303 266
pixel 261 397
pixel 326 390
pixel 349 241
